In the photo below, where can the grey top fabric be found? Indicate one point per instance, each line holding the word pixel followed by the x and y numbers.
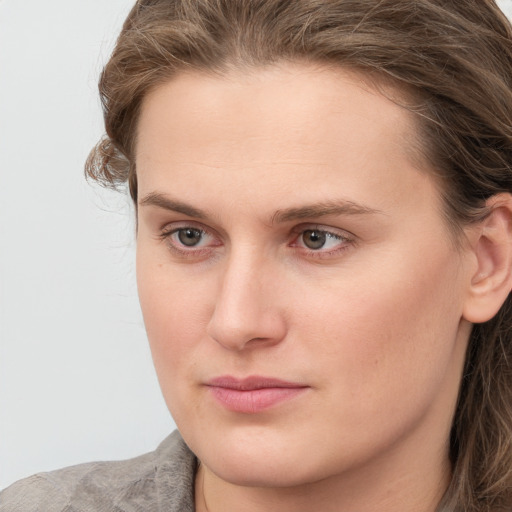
pixel 160 481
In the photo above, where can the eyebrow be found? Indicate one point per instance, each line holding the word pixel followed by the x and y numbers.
pixel 341 207
pixel 162 201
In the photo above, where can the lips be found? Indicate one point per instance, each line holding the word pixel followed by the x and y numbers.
pixel 253 394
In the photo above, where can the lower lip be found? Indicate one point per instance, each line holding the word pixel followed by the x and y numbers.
pixel 254 400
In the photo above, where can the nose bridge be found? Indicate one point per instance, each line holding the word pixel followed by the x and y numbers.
pixel 245 311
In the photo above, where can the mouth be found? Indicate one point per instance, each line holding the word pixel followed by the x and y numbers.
pixel 253 394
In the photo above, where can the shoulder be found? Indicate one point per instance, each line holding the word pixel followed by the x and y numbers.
pixel 157 481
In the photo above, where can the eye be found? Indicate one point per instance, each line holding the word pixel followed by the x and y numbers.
pixel 187 240
pixel 321 242
pixel 190 237
pixel 315 239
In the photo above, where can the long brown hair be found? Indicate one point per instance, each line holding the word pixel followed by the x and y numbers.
pixel 453 61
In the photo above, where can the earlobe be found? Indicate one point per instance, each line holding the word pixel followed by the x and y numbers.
pixel 491 282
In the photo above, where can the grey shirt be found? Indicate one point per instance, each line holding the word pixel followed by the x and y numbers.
pixel 160 481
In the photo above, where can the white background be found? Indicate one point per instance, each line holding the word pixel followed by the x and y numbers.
pixel 76 379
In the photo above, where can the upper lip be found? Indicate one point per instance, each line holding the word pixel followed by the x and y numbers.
pixel 251 383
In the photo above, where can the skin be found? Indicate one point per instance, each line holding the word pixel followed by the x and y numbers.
pixel 372 323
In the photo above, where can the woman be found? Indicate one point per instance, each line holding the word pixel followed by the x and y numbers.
pixel 324 255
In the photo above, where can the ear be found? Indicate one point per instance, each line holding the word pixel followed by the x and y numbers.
pixel 491 242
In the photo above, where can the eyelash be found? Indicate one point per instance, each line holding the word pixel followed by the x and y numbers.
pixel 193 252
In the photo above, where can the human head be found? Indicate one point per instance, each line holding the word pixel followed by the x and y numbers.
pixel 451 64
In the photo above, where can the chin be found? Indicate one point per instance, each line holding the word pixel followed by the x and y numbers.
pixel 260 457
pixel 262 472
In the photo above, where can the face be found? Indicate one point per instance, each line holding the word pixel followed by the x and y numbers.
pixel 301 293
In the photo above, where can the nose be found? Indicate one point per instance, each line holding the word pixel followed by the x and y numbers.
pixel 246 313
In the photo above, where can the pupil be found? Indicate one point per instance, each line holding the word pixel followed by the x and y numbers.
pixel 189 237
pixel 314 239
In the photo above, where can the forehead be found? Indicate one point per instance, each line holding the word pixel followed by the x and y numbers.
pixel 303 99
pixel 290 125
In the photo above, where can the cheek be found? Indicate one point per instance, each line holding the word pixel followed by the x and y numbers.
pixel 174 330
pixel 385 331
pixel 175 314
